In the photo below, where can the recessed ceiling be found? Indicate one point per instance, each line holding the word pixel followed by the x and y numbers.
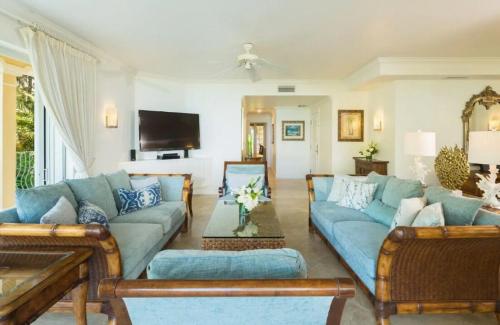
pixel 318 39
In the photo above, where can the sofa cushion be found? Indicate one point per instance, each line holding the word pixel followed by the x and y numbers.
pixel 97 191
pixel 397 189
pixel 9 216
pixel 118 180
pixel 483 217
pixel 283 263
pixel 362 240
pixel 458 210
pixel 33 203
pixel 322 187
pixel 380 212
pixel 165 214
pixel 171 187
pixel 135 241
pixel 381 181
pixel 325 214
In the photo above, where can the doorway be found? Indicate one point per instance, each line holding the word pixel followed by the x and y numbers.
pixel 266 119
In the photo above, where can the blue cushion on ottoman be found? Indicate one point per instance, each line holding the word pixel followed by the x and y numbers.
pixel 33 203
pixel 282 263
pixel 97 191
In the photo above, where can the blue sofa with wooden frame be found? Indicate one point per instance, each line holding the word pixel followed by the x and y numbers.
pixel 448 269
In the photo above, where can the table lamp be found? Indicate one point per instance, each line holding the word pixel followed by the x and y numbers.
pixel 484 148
pixel 420 144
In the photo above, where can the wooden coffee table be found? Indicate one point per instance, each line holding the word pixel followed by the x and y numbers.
pixel 32 281
pixel 225 231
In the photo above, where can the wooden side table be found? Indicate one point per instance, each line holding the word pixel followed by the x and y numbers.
pixel 32 281
pixel 364 167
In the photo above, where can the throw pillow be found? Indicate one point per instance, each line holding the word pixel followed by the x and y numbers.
pixel 339 186
pixel 140 183
pixel 458 211
pixel 430 216
pixel 380 212
pixel 97 191
pixel 135 200
pixel 62 213
pixel 119 179
pixel 381 181
pixel 397 189
pixel 408 211
pixel 91 214
pixel 358 195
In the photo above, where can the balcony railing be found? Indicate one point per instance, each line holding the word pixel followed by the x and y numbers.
pixel 25 169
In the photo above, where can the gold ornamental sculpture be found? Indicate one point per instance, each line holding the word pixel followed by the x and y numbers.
pixel 452 167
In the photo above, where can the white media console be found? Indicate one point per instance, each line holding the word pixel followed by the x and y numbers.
pixel 199 167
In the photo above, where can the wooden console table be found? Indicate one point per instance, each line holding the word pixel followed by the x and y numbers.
pixel 363 166
pixel 32 281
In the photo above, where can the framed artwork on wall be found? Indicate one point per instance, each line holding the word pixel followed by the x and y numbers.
pixel 351 125
pixel 293 130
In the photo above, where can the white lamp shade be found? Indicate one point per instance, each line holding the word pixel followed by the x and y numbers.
pixel 420 144
pixel 484 147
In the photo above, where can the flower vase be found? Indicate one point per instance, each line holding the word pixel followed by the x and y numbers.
pixel 243 214
pixel 369 158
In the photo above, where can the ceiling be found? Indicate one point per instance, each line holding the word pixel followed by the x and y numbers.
pixel 315 39
pixel 266 104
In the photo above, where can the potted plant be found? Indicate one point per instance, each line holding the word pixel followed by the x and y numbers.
pixel 370 151
pixel 247 198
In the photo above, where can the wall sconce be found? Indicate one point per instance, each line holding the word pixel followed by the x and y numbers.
pixel 377 124
pixel 494 125
pixel 111 117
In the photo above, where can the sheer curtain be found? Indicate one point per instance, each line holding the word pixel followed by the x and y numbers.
pixel 66 81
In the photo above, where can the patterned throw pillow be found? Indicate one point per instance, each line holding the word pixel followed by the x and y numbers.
pixel 89 214
pixel 430 216
pixel 339 186
pixel 408 211
pixel 358 195
pixel 135 200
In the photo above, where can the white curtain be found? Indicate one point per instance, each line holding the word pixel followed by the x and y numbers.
pixel 66 81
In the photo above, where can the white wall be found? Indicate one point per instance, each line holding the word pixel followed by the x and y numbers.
pixel 292 157
pixel 428 105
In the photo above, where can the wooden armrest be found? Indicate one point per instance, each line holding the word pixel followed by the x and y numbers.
pixel 47 230
pixel 119 288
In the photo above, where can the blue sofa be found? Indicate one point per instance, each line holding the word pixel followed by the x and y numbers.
pixel 132 240
pixel 265 286
pixel 372 254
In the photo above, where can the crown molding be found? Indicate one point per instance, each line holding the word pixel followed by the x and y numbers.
pixel 384 69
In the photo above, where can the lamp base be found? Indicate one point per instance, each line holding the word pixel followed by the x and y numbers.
pixel 491 189
pixel 419 169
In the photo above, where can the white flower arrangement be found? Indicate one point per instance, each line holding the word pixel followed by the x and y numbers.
pixel 248 195
pixel 369 152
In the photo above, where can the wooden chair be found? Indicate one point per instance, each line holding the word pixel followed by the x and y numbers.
pixel 241 165
pixel 118 292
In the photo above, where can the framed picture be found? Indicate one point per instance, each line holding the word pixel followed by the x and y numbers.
pixel 351 125
pixel 293 130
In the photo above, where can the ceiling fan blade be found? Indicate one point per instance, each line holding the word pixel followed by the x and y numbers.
pixel 266 63
pixel 224 71
pixel 252 73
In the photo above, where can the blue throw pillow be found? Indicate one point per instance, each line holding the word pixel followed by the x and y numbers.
pixel 458 211
pixel 381 181
pixel 380 212
pixel 397 189
pixel 139 199
pixel 89 214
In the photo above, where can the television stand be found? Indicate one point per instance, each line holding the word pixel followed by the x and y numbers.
pixel 186 153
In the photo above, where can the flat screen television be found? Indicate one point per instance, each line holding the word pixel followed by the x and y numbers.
pixel 161 131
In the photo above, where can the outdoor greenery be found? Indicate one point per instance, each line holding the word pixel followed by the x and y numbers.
pixel 25 132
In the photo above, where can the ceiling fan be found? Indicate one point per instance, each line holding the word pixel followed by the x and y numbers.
pixel 250 62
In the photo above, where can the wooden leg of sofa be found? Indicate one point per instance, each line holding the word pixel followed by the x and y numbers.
pixel 383 310
pixel 383 321
pixel 117 312
pixel 335 312
pixel 185 224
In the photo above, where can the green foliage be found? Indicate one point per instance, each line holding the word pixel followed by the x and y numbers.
pixel 25 113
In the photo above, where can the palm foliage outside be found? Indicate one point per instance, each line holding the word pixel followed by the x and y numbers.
pixel 25 132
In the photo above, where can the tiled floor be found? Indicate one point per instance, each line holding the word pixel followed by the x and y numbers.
pixel 290 200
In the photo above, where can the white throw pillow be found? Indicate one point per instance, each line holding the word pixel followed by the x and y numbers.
pixel 339 186
pixel 358 195
pixel 430 216
pixel 236 181
pixel 62 213
pixel 140 183
pixel 407 211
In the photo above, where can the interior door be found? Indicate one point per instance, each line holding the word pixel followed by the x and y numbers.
pixel 314 148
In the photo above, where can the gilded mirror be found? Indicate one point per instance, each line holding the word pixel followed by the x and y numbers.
pixel 481 113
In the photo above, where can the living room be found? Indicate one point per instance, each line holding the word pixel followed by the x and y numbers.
pixel 174 162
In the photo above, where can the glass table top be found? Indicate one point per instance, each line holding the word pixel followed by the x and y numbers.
pixel 225 222
pixel 21 270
